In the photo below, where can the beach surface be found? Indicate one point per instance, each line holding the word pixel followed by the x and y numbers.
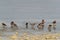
pixel 28 34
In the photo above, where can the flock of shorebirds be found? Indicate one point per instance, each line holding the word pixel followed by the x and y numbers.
pixel 40 26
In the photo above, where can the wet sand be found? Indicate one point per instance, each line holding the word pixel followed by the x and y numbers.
pixel 28 34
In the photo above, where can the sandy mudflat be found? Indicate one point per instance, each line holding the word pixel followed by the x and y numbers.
pixel 28 34
pixel 25 36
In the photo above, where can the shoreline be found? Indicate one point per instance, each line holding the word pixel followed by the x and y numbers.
pixel 27 36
